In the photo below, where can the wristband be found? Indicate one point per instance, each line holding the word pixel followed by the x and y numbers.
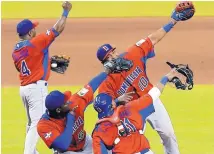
pixel 65 13
pixel 168 27
pixel 164 80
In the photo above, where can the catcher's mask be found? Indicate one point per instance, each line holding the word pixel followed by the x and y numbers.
pixel 57 104
pixel 103 105
pixel 187 72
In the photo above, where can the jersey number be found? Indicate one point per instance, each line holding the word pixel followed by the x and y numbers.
pixel 24 69
pixel 143 83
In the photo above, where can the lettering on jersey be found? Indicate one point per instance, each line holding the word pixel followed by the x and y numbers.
pixel 82 92
pixel 48 135
pixel 125 113
pixel 20 55
pixel 129 80
pixel 129 126
pixel 143 83
pixel 140 42
pixel 81 135
pixel 79 122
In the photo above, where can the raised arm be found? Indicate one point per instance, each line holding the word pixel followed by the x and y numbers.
pixel 145 101
pixel 156 36
pixel 183 11
pixel 60 24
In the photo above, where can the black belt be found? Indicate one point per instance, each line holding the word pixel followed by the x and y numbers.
pixel 56 152
pixel 37 81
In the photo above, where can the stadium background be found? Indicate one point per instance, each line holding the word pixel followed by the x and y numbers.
pixel 122 24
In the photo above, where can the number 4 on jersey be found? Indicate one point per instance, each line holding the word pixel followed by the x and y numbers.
pixel 24 69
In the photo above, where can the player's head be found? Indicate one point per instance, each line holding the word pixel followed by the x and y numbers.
pixel 106 52
pixel 57 103
pixel 26 29
pixel 103 104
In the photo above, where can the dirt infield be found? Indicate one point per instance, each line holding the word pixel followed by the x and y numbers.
pixel 189 42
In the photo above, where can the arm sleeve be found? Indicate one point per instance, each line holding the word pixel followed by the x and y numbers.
pixel 48 133
pixel 87 92
pixel 63 141
pixel 43 41
pixel 107 87
pixel 98 145
pixel 145 103
pixel 96 81
pixel 86 96
pixel 142 49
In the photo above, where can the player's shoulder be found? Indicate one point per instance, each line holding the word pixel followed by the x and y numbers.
pixel 22 44
pixel 104 127
pixel 38 37
pixel 44 119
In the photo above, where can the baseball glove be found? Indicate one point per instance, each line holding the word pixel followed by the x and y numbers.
pixel 59 63
pixel 183 11
pixel 118 65
pixel 186 72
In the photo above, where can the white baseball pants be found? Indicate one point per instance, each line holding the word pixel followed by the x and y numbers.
pixel 33 97
pixel 160 121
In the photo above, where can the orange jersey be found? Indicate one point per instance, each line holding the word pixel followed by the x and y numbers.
pixel 49 128
pixel 31 57
pixel 132 116
pixel 135 79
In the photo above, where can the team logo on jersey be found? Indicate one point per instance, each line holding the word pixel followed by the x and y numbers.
pixel 140 42
pixel 81 135
pixel 82 92
pixel 48 32
pixel 48 135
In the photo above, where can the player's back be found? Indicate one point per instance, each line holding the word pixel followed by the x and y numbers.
pixel 30 60
pixel 136 78
pixel 31 57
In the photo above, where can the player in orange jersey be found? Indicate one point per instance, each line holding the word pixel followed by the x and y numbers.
pixel 31 59
pixel 63 131
pixel 121 129
pixel 136 80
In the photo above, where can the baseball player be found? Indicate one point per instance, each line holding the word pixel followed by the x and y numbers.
pixel 136 78
pixel 62 126
pixel 31 59
pixel 125 124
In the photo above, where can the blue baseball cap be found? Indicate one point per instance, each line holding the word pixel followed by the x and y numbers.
pixel 24 26
pixel 103 51
pixel 103 105
pixel 56 99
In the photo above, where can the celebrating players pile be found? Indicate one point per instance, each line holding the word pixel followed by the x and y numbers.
pixel 125 101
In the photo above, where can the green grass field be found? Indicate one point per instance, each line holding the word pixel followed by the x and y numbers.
pixel 191 112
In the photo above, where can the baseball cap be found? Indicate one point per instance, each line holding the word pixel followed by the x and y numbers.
pixel 56 99
pixel 103 105
pixel 103 51
pixel 24 26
